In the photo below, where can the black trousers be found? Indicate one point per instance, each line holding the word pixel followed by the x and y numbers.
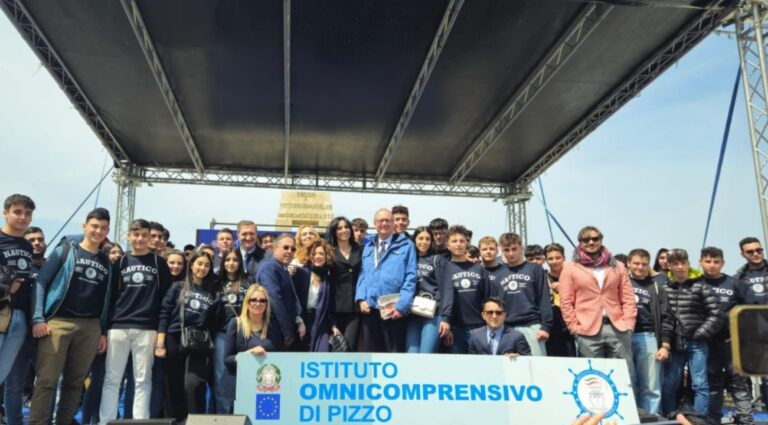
pixel 185 378
pixel 721 375
pixel 560 343
pixel 349 324
pixel 383 336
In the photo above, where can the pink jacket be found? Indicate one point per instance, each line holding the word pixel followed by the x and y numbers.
pixel 582 301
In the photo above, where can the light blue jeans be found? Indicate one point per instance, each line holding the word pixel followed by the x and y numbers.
pixel 538 348
pixel 224 405
pixel 11 342
pixel 695 354
pixel 421 334
pixel 647 370
pixel 14 383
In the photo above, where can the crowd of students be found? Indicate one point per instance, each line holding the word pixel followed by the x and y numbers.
pixel 168 326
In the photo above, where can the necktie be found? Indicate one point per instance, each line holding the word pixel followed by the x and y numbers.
pixel 382 249
pixel 491 342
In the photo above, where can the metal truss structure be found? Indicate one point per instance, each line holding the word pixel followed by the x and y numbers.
pixel 31 32
pixel 631 87
pixel 153 60
pixel 441 36
pixel 580 29
pixel 315 182
pixel 517 218
pixel 751 23
pixel 126 204
pixel 514 194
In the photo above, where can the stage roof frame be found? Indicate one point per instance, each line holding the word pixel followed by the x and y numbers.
pixel 364 96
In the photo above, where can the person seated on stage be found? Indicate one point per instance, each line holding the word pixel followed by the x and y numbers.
pixel 495 338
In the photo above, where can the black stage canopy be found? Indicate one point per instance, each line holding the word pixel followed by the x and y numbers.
pixel 389 94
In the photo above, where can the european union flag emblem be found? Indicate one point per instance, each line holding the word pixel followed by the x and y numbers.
pixel 268 406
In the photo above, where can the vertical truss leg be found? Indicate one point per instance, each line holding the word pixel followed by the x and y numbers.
pixel 517 218
pixel 750 37
pixel 126 203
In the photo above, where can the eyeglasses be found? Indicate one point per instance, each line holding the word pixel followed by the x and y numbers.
pixel 261 301
pixel 754 251
pixel 591 239
pixel 289 248
pixel 494 312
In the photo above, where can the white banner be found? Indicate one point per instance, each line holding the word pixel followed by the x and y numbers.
pixel 295 388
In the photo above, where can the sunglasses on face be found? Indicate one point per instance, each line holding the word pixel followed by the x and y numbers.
pixel 754 251
pixel 591 239
pixel 260 301
pixel 289 248
pixel 493 312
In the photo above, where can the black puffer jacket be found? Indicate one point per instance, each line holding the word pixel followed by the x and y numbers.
pixel 694 307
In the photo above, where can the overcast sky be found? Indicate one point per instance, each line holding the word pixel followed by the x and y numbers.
pixel 644 177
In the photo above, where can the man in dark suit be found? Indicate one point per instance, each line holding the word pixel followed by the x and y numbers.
pixel 495 338
pixel 274 277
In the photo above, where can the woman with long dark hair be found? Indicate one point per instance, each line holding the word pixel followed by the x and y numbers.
pixel 189 305
pixel 233 284
pixel 345 269
pixel 423 334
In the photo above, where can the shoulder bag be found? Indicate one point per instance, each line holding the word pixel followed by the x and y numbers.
pixel 194 341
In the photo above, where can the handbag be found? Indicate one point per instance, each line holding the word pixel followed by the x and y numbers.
pixel 194 340
pixel 424 305
pixel 338 343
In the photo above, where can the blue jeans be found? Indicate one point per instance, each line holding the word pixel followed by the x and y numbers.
pixel 647 370
pixel 223 403
pixel 421 334
pixel 460 339
pixel 14 383
pixel 695 353
pixel 11 342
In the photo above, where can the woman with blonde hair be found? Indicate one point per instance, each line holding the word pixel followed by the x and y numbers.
pixel 304 238
pixel 249 333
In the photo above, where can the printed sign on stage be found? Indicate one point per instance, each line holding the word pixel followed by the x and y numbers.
pixel 295 388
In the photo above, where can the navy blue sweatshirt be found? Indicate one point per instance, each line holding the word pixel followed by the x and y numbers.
pixel 525 292
pixel 427 274
pixel 470 287
pixel 237 343
pixel 755 284
pixel 230 302
pixel 642 289
pixel 730 292
pixel 199 309
pixel 16 253
pixel 87 286
pixel 495 273
pixel 141 284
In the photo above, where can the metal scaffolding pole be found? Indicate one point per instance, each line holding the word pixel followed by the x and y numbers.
pixel 517 218
pixel 126 204
pixel 749 31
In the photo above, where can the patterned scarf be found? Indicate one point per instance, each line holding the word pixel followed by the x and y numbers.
pixel 585 260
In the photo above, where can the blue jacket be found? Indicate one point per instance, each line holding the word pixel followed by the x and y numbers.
pixel 52 285
pixel 395 273
pixel 512 341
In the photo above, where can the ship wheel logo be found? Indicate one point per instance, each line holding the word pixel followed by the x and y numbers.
pixel 594 391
